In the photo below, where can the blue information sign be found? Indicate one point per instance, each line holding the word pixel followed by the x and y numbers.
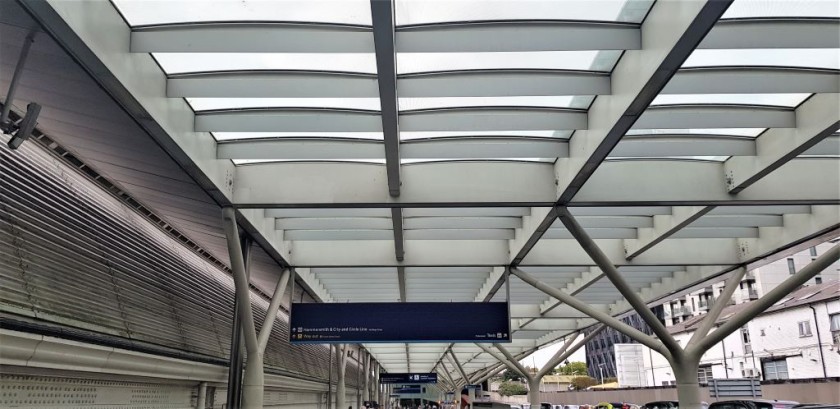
pixel 406 389
pixel 320 323
pixel 408 378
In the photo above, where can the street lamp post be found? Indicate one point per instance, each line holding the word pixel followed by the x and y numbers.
pixel 601 371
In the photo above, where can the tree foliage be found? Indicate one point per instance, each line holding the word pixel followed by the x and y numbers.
pixel 583 382
pixel 512 388
pixel 509 375
pixel 572 368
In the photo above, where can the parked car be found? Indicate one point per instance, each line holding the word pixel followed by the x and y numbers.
pixel 754 404
pixel 571 407
pixel 668 404
pixel 546 405
pixel 817 406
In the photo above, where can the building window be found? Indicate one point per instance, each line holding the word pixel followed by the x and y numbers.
pixel 745 335
pixel 704 374
pixel 813 251
pixel 804 329
pixel 818 280
pixel 775 370
pixel 791 266
pixel 835 328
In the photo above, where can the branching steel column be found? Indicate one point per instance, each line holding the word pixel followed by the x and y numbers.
pixel 237 357
pixel 756 307
pixel 709 321
pixel 615 277
pixel 10 96
pixel 454 361
pixel 382 17
pixel 604 318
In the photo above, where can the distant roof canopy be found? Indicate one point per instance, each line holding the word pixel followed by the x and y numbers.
pixel 411 150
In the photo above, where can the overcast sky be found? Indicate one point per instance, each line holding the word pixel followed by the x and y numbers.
pixel 543 355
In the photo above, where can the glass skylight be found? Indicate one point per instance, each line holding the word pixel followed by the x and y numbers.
pixel 415 161
pixel 409 12
pixel 259 161
pixel 783 100
pixel 541 101
pixel 179 63
pixel 782 8
pixel 564 134
pixel 154 12
pixel 204 104
pixel 776 57
pixel 750 132
pixel 231 136
pixel 550 60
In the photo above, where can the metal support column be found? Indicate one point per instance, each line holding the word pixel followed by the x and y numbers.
pixel 237 356
pixel 10 96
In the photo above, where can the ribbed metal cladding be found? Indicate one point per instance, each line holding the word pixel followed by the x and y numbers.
pixel 73 254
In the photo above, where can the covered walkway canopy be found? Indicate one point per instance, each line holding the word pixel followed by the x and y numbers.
pixel 411 150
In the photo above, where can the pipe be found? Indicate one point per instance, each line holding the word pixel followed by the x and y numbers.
pixel 201 400
pixel 819 339
pixel 10 96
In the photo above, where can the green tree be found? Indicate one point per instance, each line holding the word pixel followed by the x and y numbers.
pixel 583 382
pixel 511 376
pixel 572 368
pixel 512 388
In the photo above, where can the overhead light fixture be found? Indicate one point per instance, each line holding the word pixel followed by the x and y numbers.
pixel 25 127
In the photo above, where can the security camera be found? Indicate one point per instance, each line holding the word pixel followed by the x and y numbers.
pixel 26 126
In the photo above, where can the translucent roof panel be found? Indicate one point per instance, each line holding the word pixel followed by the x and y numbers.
pixel 747 132
pixel 782 100
pixel 542 101
pixel 565 134
pixel 179 63
pixel 205 104
pixel 416 161
pixel 782 8
pixel 410 12
pixel 155 12
pixel 778 57
pixel 259 161
pixel 602 61
pixel 230 136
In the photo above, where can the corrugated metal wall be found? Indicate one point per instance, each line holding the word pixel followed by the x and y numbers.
pixel 73 254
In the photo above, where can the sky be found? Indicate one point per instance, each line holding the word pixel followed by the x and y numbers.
pixel 543 355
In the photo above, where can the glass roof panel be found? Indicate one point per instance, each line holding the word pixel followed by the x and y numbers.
pixel 409 12
pixel 204 104
pixel 777 57
pixel 602 61
pixel 413 161
pixel 703 158
pixel 564 134
pixel 179 63
pixel 581 102
pixel 784 100
pixel 782 8
pixel 230 136
pixel 259 161
pixel 750 132
pixel 154 12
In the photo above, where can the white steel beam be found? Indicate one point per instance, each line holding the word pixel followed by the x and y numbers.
pixel 715 116
pixel 444 148
pixel 272 84
pixel 477 119
pixel 501 83
pixel 644 181
pixel 648 146
pixel 664 226
pixel 749 80
pixel 513 36
pixel 252 38
pixel 816 119
pixel 288 120
pixel 616 183
pixel 773 33
pixel 320 183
